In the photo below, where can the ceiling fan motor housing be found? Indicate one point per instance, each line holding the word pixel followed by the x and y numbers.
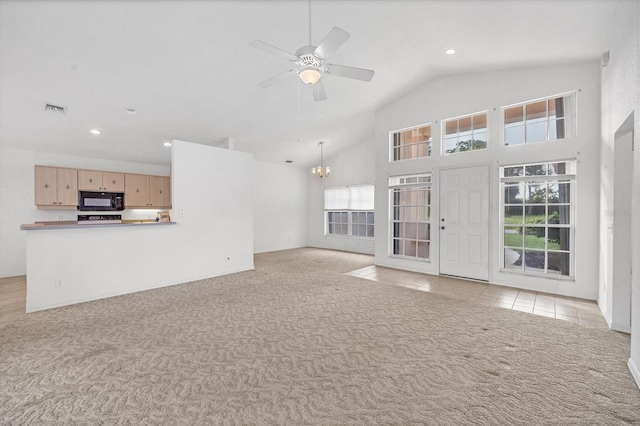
pixel 307 58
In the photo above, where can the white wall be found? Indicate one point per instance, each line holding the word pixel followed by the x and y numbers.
pixel 354 166
pixel 17 204
pixel 451 96
pixel 621 98
pixel 279 207
pixel 212 191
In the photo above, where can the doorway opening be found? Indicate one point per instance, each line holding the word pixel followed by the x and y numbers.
pixel 621 229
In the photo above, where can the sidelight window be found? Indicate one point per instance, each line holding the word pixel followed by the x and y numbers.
pixel 537 217
pixel 410 216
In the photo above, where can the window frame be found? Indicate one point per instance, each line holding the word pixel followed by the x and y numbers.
pixel 443 131
pixel 428 143
pixel 404 182
pixel 328 212
pixel 571 179
pixel 569 117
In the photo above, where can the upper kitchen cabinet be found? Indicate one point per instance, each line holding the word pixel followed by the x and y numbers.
pixel 160 191
pixel 56 187
pixel 143 191
pixel 95 180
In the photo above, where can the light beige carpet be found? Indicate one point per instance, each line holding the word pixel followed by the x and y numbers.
pixel 298 342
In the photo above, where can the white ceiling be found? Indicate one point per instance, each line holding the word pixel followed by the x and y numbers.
pixel 189 71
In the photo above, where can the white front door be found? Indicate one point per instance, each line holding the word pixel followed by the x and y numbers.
pixel 464 222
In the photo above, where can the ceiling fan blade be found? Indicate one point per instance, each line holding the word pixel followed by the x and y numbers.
pixel 331 43
pixel 275 79
pixel 273 50
pixel 318 91
pixel 349 72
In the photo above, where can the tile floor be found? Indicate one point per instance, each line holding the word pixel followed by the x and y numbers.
pixel 585 312
pixel 13 299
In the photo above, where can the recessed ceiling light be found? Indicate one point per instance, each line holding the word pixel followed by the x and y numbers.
pixel 167 144
pixel 450 52
pixel 131 110
pixel 95 132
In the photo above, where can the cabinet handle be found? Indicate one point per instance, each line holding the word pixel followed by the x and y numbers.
pixel 90 180
pixel 68 187
pixel 137 190
pixel 46 185
pixel 161 191
pixel 113 182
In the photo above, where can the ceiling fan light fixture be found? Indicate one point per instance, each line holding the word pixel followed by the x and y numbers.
pixel 309 75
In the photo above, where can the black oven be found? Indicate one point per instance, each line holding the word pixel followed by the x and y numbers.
pixel 100 201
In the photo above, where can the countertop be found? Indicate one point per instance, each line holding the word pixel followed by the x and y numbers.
pixel 70 224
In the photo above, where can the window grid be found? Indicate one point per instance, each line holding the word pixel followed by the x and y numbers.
pixel 538 121
pixel 537 218
pixel 411 143
pixel 362 224
pixel 349 211
pixel 463 134
pixel 411 217
pixel 338 223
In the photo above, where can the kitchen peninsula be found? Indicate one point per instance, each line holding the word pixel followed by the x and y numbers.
pixel 68 263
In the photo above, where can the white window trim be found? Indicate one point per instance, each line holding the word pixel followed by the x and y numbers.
pixel 349 225
pixel 349 211
pixel 390 142
pixel 429 185
pixel 574 127
pixel 443 132
pixel 572 227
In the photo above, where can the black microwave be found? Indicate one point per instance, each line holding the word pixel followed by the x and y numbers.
pixel 100 201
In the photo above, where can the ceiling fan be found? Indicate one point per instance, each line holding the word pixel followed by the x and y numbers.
pixel 310 63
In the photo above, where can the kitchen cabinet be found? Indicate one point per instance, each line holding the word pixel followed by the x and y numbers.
pixel 95 180
pixel 144 191
pixel 160 191
pixel 56 187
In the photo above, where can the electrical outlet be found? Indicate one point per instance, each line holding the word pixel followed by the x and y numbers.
pixel 181 212
pixel 57 283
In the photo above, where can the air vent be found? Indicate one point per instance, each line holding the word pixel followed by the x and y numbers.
pixel 55 108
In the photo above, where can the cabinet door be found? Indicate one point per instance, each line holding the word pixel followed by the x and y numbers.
pixel 89 180
pixel 160 191
pixel 136 190
pixel 113 182
pixel 46 186
pixel 68 187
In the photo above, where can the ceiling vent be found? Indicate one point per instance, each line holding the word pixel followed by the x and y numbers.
pixel 55 108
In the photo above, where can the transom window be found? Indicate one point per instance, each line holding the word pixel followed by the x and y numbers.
pixel 349 211
pixel 410 216
pixel 541 120
pixel 411 143
pixel 468 133
pixel 537 217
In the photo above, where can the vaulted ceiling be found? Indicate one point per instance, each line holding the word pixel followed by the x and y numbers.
pixel 188 70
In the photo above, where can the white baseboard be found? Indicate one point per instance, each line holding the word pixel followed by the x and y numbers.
pixel 624 328
pixel 634 371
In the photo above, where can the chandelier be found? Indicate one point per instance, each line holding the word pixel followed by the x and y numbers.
pixel 320 170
